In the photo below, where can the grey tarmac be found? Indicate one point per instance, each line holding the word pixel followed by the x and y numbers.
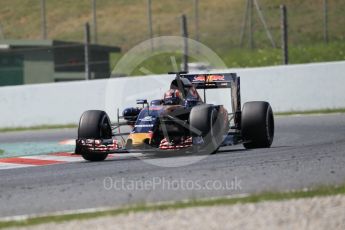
pixel 308 151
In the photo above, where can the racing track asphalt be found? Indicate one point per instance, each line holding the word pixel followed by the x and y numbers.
pixel 307 151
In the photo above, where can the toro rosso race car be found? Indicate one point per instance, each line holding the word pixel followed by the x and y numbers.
pixel 179 122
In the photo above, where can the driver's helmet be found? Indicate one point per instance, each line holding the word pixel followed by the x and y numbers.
pixel 172 97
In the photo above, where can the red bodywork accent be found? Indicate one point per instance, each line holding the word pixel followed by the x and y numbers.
pixel 96 145
pixel 184 143
pixel 27 161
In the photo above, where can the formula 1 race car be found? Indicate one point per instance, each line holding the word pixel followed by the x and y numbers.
pixel 179 122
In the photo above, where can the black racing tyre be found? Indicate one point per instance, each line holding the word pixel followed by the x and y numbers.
pixel 94 124
pixel 94 156
pixel 257 125
pixel 204 118
pixel 200 119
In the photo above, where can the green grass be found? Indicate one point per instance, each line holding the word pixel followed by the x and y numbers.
pixel 268 196
pixel 310 112
pixel 314 52
pixel 39 127
pixel 236 57
pixel 2 151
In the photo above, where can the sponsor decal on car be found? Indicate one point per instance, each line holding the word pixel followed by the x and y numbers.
pixel 148 118
pixel 209 78
pixel 144 126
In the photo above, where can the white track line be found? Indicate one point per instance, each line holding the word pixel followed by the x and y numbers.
pixel 13 166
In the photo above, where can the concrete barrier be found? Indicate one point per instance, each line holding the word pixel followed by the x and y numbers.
pixel 287 88
pixel 296 87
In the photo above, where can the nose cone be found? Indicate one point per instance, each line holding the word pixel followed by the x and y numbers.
pixel 139 139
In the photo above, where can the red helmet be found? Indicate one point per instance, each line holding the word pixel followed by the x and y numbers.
pixel 172 97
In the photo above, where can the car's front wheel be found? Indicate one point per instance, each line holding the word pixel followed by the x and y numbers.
pixel 94 124
pixel 206 122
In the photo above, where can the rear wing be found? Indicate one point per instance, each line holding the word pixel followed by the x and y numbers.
pixel 211 81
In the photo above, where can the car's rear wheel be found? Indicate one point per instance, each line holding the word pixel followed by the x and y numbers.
pixel 257 125
pixel 94 124
pixel 204 122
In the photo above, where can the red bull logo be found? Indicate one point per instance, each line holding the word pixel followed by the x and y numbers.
pixel 209 78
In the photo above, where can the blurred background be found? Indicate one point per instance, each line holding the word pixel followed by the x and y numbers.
pixel 244 33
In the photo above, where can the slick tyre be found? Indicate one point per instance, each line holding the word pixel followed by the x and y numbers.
pixel 257 125
pixel 204 122
pixel 94 124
